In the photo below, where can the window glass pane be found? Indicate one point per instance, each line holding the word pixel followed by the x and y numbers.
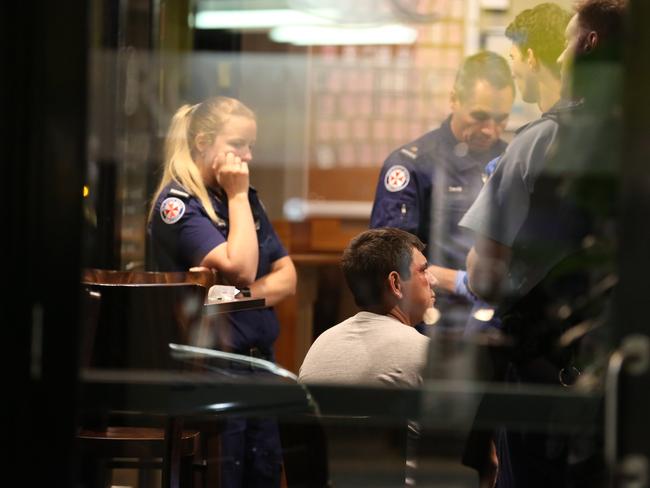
pixel 489 132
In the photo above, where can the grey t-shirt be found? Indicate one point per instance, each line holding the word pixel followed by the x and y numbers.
pixel 367 349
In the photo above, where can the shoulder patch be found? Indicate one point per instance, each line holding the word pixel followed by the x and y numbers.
pixel 171 210
pixel 397 177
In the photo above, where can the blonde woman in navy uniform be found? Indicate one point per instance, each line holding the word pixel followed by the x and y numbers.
pixel 204 213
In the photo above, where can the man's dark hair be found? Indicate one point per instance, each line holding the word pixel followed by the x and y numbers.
pixel 606 17
pixel 487 66
pixel 541 29
pixel 372 256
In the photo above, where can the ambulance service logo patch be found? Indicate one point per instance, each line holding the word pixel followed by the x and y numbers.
pixel 171 210
pixel 397 177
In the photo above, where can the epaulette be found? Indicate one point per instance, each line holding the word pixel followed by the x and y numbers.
pixel 220 221
pixel 262 204
pixel 411 152
pixel 178 193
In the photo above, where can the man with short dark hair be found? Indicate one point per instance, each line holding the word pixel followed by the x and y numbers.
pixel 539 256
pixel 388 276
pixel 537 36
pixel 499 223
pixel 497 215
pixel 594 36
pixel 426 186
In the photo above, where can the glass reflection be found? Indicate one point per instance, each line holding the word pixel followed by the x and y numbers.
pixel 501 381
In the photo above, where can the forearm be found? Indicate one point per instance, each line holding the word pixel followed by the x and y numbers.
pixel 446 277
pixel 278 284
pixel 475 275
pixel 242 247
pixel 487 274
pixel 453 281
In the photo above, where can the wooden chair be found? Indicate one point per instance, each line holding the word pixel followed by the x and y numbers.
pixel 141 448
pixel 130 325
pixel 130 319
pixel 205 278
pixel 304 451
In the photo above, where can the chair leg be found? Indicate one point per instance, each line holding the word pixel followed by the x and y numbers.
pixel 95 473
pixel 147 478
pixel 187 472
pixel 172 453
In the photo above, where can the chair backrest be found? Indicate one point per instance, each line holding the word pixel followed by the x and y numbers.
pixel 304 451
pixel 130 325
pixel 205 278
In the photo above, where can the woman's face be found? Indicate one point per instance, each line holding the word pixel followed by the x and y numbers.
pixel 237 136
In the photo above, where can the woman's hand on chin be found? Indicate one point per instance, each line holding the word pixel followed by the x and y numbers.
pixel 232 174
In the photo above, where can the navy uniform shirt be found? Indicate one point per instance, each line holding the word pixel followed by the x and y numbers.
pixel 425 188
pixel 182 234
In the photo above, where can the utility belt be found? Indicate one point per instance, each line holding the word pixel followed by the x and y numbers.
pixel 252 352
pixel 536 353
pixel 257 352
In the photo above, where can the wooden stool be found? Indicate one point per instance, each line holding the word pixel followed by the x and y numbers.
pixel 141 448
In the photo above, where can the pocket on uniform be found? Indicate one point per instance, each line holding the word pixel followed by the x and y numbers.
pixel 451 209
pixel 456 201
pixel 396 213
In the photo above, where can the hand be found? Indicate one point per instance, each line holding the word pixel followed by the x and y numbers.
pixel 232 174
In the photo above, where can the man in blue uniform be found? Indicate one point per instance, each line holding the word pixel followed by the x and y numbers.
pixel 537 41
pixel 426 186
pixel 534 257
pixel 537 37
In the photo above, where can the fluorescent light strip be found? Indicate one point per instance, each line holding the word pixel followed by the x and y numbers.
pixel 330 36
pixel 255 19
pixel 297 209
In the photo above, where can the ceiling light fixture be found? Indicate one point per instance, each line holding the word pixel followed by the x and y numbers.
pixel 346 36
pixel 254 19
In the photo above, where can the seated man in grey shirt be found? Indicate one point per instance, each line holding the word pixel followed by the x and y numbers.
pixel 388 276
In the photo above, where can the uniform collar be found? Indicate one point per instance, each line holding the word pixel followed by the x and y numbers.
pixel 563 106
pixel 469 161
pixel 560 108
pixel 220 195
pixel 447 134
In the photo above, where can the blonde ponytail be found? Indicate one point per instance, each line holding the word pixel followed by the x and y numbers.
pixel 208 118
